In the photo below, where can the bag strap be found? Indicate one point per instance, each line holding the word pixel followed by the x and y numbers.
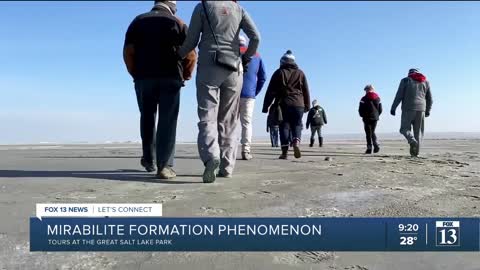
pixel 209 23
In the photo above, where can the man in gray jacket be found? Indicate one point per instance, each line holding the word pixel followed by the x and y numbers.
pixel 416 98
pixel 218 23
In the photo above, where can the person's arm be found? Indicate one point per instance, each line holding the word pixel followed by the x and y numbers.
pixel 261 77
pixel 361 107
pixel 324 116
pixel 188 63
pixel 268 123
pixel 306 93
pixel 271 92
pixel 379 106
pixel 248 26
pixel 129 50
pixel 193 35
pixel 429 100
pixel 309 119
pixel 398 97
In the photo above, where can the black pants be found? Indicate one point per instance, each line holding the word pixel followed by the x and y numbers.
pixel 370 126
pixel 162 95
pixel 292 122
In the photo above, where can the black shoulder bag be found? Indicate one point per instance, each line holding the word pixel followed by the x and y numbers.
pixel 230 62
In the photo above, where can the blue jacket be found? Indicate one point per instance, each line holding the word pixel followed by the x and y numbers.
pixel 254 78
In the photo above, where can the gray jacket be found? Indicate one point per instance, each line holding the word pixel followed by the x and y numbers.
pixel 227 18
pixel 414 96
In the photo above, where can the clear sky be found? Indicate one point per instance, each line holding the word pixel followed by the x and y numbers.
pixel 62 77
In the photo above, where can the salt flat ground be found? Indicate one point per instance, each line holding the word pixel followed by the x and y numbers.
pixel 445 181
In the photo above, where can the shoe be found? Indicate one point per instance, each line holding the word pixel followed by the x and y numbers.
pixel 284 154
pixel 149 167
pixel 369 151
pixel 166 173
pixel 211 171
pixel 376 149
pixel 246 156
pixel 296 149
pixel 320 142
pixel 414 149
pixel 311 142
pixel 224 174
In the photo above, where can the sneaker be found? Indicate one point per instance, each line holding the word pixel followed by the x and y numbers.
pixel 211 170
pixel 224 174
pixel 414 149
pixel 246 156
pixel 296 150
pixel 283 156
pixel 369 151
pixel 149 167
pixel 166 173
pixel 376 149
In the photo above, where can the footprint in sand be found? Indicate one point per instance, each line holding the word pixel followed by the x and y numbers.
pixel 212 210
pixel 355 267
pixel 273 182
pixel 313 257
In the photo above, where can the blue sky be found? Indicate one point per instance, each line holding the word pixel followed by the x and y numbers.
pixel 62 76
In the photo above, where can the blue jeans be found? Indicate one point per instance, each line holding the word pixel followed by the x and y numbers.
pixel 274 135
pixel 162 95
pixel 292 123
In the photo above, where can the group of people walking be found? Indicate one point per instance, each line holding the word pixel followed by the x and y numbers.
pixel 160 55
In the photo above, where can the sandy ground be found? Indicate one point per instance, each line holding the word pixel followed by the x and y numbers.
pixel 445 181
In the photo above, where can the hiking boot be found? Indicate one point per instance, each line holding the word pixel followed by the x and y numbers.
pixel 376 149
pixel 312 141
pixel 296 149
pixel 246 156
pixel 369 151
pixel 211 170
pixel 320 141
pixel 284 154
pixel 149 166
pixel 166 173
pixel 414 149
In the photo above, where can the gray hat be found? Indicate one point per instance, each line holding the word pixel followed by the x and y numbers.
pixel 368 87
pixel 288 58
pixel 413 70
pixel 314 103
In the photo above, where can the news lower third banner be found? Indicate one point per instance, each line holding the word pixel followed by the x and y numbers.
pixel 148 231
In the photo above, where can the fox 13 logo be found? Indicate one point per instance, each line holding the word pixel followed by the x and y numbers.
pixel 447 233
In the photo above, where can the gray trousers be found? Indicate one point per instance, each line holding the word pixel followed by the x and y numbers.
pixel 315 130
pixel 218 97
pixel 415 120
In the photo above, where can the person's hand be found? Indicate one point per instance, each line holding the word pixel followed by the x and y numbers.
pixel 268 130
pixel 427 114
pixel 245 62
pixel 392 112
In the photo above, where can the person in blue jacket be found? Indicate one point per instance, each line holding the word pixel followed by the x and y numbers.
pixel 253 80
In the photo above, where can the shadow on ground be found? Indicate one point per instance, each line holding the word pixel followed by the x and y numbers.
pixel 116 175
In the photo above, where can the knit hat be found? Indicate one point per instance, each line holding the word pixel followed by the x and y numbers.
pixel 413 70
pixel 287 58
pixel 314 103
pixel 242 40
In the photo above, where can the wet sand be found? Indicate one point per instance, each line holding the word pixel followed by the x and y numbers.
pixel 444 181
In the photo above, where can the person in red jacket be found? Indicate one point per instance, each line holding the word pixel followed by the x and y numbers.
pixel 370 109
